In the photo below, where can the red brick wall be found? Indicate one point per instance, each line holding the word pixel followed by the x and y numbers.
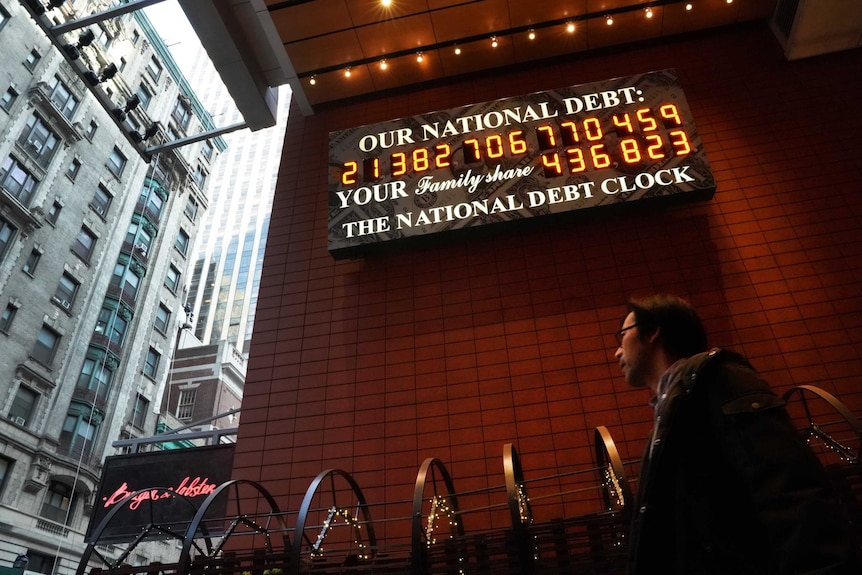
pixel 373 365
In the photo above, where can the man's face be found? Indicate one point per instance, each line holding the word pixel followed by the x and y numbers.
pixel 632 353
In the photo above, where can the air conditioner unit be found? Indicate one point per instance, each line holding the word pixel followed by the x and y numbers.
pixel 65 304
pixel 99 210
pixel 141 248
pixel 19 420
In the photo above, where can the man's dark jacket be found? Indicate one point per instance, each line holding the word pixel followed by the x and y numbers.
pixel 730 487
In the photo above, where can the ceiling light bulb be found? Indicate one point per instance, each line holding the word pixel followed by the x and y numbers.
pixel 570 27
pixel 383 64
pixel 531 34
pixel 419 56
pixel 730 1
pixel 347 72
pixel 313 80
pixel 386 3
pixel 688 6
pixel 493 41
pixel 610 21
pixel 649 12
pixel 457 50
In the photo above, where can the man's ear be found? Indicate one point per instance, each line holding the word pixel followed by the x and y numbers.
pixel 654 336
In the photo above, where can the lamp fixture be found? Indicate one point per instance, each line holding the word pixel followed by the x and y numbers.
pixel 151 131
pixel 383 64
pixel 531 34
pixel 493 41
pixel 689 6
pixel 108 72
pixel 570 27
pixel 610 21
pixel 85 39
pixel 419 56
pixel 39 9
pixel 347 72
pixel 312 80
pixel 648 11
pixel 457 50
pixel 131 104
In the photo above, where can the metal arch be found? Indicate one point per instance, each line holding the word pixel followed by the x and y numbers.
pixel 516 493
pixel 609 463
pixel 184 561
pixel 418 549
pixel 97 534
pixel 298 533
pixel 843 411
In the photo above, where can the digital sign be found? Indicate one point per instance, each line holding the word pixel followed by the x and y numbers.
pixel 593 145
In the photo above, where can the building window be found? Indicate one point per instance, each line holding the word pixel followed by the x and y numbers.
pixel 16 180
pixel 77 435
pixel 54 213
pixel 182 242
pixel 172 279
pixel 112 324
pixel 126 280
pixel 144 95
pixel 153 203
pixel 39 140
pixel 208 150
pixel 66 291
pixel 73 170
pixel 92 128
pixel 135 37
pixel 32 59
pixel 163 319
pixel 5 466
pixel 104 37
pixel 151 364
pixel 32 262
pixel 116 162
pixel 7 317
pixel 63 98
pixel 154 68
pixel 200 177
pixel 4 18
pixel 46 346
pixel 182 113
pixel 58 499
pixel 139 412
pixel 186 404
pixel 7 236
pixel 101 200
pixel 84 245
pixel 8 99
pixel 23 406
pixel 95 376
pixel 191 208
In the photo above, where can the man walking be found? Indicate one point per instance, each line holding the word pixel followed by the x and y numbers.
pixel 727 486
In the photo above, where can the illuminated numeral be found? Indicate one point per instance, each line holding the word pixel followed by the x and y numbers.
pixel 575 159
pixel 420 160
pixel 679 140
pixel 631 151
pixel 670 112
pixel 517 143
pixel 371 169
pixel 348 176
pixel 647 122
pixel 593 129
pixel 442 155
pixel 551 163
pixel 547 140
pixel 494 146
pixel 399 164
pixel 624 121
pixel 472 151
pixel 600 159
pixel 655 148
pixel 569 132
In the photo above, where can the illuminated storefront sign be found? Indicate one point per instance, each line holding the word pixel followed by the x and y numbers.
pixel 601 144
pixel 152 479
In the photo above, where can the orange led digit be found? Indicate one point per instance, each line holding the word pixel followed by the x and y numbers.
pixel 472 152
pixel 348 176
pixel 600 158
pixel 670 112
pixel 593 129
pixel 371 169
pixel 679 140
pixel 655 148
pixel 517 143
pixel 399 164
pixel 623 121
pixel 631 151
pixel 442 155
pixel 551 163
pixel 575 159
pixel 570 133
pixel 421 162
pixel 494 146
pixel 647 122
pixel 547 140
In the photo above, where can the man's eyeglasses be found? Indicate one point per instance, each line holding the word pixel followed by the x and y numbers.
pixel 622 332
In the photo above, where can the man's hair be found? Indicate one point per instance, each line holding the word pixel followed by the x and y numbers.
pixel 680 330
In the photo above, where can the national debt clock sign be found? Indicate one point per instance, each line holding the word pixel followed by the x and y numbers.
pixel 609 143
